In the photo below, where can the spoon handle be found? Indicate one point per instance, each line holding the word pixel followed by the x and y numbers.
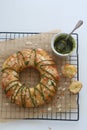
pixel 79 23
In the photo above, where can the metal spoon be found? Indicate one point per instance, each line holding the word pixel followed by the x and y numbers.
pixel 79 23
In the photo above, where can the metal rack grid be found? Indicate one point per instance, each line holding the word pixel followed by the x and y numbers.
pixel 72 114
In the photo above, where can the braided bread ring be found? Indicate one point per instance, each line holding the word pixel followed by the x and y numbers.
pixel 22 95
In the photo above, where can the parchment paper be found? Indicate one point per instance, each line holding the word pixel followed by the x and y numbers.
pixel 63 101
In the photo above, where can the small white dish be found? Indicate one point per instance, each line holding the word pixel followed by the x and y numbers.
pixel 64 35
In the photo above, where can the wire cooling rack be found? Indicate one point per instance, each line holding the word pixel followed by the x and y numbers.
pixel 48 112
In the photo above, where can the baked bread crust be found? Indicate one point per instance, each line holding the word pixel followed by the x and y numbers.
pixel 75 87
pixel 69 71
pixel 25 96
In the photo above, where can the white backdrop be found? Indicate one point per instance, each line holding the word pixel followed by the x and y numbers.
pixel 41 16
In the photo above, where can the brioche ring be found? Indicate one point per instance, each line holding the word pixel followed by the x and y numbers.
pixel 25 96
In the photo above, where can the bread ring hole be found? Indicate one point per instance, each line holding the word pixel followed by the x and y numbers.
pixel 30 77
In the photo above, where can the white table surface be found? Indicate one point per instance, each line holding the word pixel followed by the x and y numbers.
pixel 41 16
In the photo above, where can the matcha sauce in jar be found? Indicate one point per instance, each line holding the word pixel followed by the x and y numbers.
pixel 64 46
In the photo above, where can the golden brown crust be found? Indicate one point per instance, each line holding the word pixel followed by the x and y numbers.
pixel 68 71
pixel 75 87
pixel 22 95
